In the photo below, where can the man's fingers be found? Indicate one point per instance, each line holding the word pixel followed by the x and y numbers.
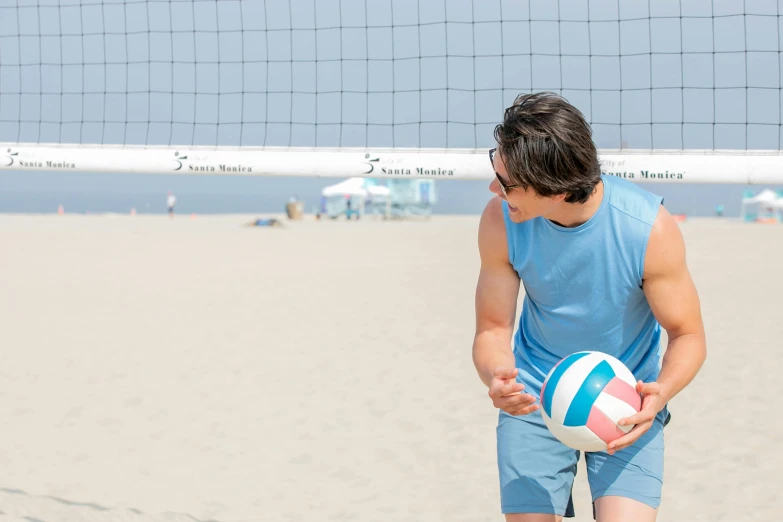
pixel 501 389
pixel 515 401
pixel 509 389
pixel 647 388
pixel 522 411
pixel 629 438
pixel 506 395
pixel 637 418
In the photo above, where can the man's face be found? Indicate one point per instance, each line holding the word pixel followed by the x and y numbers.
pixel 523 203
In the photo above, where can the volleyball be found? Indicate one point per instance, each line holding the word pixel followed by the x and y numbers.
pixel 584 396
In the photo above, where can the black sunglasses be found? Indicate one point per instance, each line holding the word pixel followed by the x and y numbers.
pixel 503 187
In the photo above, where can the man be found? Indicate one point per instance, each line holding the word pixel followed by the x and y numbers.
pixel 603 267
pixel 171 201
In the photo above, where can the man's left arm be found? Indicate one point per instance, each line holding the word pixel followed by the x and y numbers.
pixel 674 301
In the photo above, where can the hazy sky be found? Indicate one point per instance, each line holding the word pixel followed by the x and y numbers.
pixel 421 73
pixel 386 72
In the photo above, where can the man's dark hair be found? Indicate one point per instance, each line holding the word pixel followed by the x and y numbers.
pixel 547 145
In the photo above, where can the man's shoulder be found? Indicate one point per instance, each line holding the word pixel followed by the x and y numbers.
pixel 666 246
pixel 493 219
pixel 492 230
pixel 633 201
pixel 493 212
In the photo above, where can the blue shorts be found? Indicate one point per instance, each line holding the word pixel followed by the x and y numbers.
pixel 537 471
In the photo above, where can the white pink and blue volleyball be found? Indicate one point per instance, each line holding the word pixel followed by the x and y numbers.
pixel 583 398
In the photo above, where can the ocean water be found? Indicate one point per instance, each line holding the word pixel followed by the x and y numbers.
pixel 83 192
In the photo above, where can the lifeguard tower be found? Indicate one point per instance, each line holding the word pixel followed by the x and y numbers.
pixel 411 197
pixel 766 206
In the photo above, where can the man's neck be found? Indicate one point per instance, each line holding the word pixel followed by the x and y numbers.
pixel 574 214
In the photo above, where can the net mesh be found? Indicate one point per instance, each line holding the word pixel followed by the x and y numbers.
pixel 660 74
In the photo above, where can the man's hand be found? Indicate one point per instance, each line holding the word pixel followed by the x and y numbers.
pixel 504 390
pixel 652 403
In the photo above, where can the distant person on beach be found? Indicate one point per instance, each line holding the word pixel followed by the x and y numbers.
pixel 348 208
pixel 171 202
pixel 264 222
pixel 604 269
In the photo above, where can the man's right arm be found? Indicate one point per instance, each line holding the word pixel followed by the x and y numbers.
pixel 497 292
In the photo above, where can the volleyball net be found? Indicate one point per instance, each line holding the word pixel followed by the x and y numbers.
pixel 680 91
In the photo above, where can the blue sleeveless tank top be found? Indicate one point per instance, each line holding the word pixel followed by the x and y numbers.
pixel 583 286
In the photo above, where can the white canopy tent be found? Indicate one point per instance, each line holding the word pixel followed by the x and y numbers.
pixel 765 196
pixel 365 190
pixel 778 204
pixel 766 200
pixel 348 187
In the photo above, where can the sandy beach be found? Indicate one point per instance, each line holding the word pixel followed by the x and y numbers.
pixel 196 369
